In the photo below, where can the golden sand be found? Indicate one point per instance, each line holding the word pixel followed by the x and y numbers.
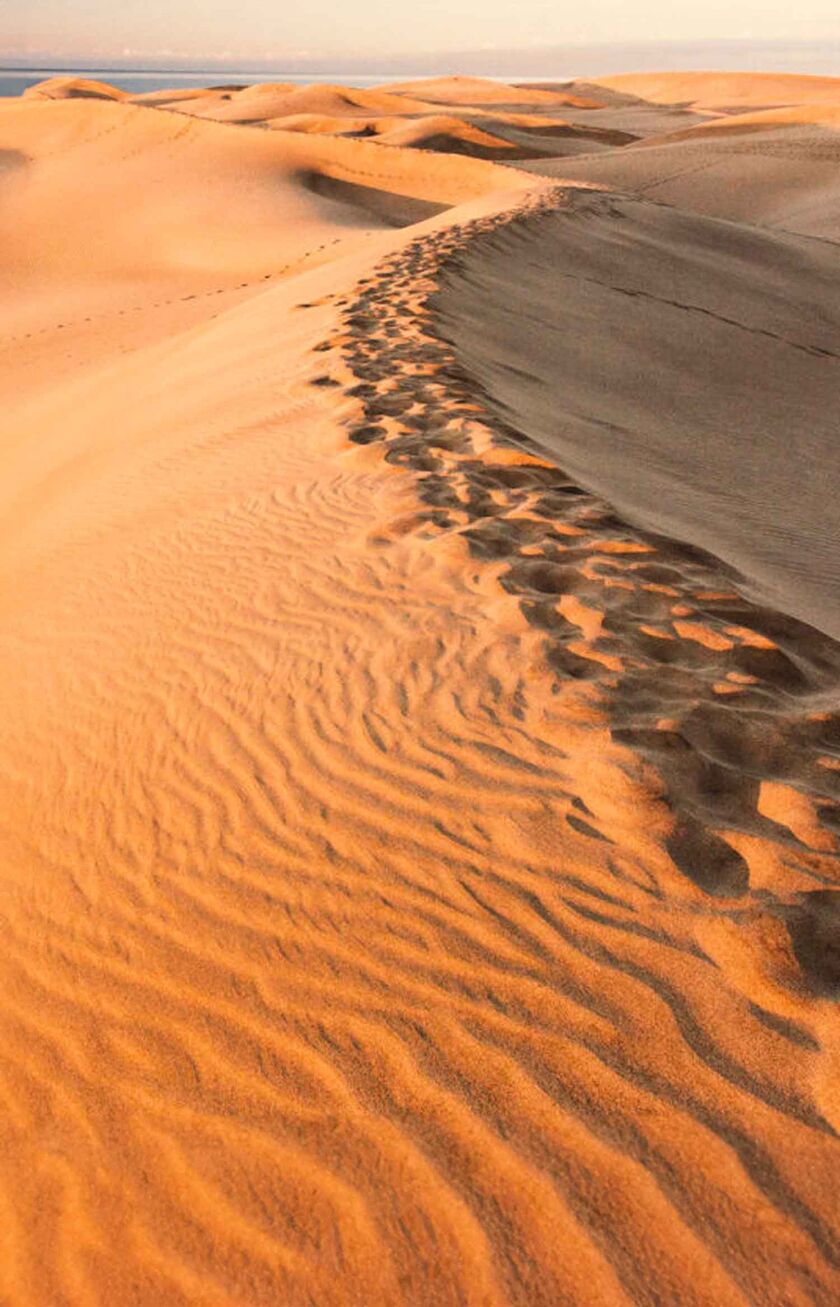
pixel 349 951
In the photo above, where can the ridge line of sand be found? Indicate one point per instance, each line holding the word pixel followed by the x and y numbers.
pixel 363 942
pixel 773 673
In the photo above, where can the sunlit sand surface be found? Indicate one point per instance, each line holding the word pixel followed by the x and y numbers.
pixel 419 825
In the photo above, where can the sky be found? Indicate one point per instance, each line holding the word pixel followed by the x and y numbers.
pixel 203 32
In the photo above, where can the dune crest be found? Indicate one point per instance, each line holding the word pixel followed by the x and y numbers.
pixel 774 167
pixel 168 198
pixel 254 103
pixel 483 91
pixel 722 92
pixel 419 881
pixel 72 88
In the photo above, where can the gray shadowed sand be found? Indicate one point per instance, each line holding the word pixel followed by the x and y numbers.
pixel 686 369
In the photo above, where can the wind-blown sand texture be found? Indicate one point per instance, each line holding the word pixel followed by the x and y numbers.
pixel 419 783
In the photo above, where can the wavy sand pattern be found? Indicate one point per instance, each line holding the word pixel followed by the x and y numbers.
pixel 418 882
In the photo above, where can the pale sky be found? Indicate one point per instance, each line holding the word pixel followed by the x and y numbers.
pixel 277 30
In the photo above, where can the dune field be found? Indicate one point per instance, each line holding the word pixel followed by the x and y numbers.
pixel 419 666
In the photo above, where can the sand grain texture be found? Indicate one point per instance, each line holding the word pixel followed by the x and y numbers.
pixel 381 924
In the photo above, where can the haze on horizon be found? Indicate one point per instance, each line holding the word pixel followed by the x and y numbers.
pixel 195 32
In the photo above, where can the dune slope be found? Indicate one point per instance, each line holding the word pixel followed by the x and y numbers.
pixel 354 950
pixel 709 143
pixel 741 332
pixel 251 104
pixel 723 92
pixel 167 200
pixel 485 91
pixel 777 168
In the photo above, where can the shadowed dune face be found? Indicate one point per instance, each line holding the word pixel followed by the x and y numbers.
pixel 727 699
pixel 717 345
pixel 353 951
pixel 388 207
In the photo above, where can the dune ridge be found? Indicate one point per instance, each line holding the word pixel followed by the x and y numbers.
pixel 71 88
pixel 687 617
pixel 360 944
pixel 722 92
pixel 484 91
pixel 184 188
pixel 780 174
pixel 717 306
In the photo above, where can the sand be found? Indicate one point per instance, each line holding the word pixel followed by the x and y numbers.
pixel 418 878
pixel 701 147
pixel 720 345
pixel 723 92
pixel 778 171
pixel 472 91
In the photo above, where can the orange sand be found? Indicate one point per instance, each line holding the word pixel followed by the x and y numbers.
pixel 344 960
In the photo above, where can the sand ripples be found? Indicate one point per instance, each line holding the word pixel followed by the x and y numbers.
pixel 344 959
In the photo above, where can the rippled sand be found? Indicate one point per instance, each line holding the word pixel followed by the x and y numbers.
pixel 363 942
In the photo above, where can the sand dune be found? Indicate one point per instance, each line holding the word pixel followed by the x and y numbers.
pixel 724 696
pixel 440 132
pixel 724 92
pixel 326 124
pixel 497 136
pixel 419 883
pixel 705 301
pixel 73 88
pixel 732 126
pixel 509 136
pixel 471 125
pixel 787 179
pixel 483 91
pixel 625 112
pixel 257 103
pixel 776 167
pixel 447 135
pixel 561 140
pixel 184 190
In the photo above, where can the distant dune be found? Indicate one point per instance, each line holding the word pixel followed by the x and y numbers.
pixel 420 783
pixel 723 92
pixel 73 88
pixel 254 103
pixel 777 166
pixel 474 91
